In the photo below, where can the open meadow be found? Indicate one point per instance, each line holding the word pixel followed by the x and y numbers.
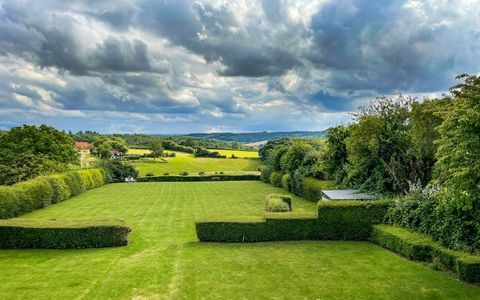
pixel 164 260
pixel 186 162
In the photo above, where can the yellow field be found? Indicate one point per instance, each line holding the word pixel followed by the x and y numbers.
pixel 237 153
pixel 138 151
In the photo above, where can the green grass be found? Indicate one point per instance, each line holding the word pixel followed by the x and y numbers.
pixel 237 153
pixel 164 260
pixel 193 165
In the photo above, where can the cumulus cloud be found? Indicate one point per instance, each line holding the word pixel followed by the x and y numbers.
pixel 211 64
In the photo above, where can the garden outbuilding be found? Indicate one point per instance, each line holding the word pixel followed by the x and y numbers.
pixel 328 195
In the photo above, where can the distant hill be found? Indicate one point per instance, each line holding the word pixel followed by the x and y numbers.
pixel 255 137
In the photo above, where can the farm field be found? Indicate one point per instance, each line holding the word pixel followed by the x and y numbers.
pixel 176 165
pixel 165 261
pixel 237 153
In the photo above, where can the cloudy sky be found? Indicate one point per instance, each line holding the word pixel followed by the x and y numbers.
pixel 197 66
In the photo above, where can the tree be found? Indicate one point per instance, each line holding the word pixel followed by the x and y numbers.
pixel 103 147
pixel 43 140
pixel 156 148
pixel 334 158
pixel 25 166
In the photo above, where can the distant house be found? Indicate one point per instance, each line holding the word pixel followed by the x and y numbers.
pixel 336 195
pixel 83 146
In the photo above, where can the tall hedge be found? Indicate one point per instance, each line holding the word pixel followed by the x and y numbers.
pixel 62 234
pixel 312 188
pixel 42 191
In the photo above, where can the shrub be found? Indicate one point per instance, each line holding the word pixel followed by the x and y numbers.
pixel 116 170
pixel 286 182
pixel 349 220
pixel 184 173
pixel 278 203
pixel 418 246
pixel 312 188
pixel 149 174
pixel 201 173
pixel 42 191
pixel 166 174
pixel 62 234
pixel 276 179
pixel 265 171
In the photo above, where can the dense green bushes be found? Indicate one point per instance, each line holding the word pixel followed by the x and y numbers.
pixel 215 177
pixel 345 220
pixel 116 170
pixel 349 220
pixel 278 203
pixel 276 179
pixel 421 247
pixel 42 191
pixel 62 234
pixel 287 182
pixel 312 188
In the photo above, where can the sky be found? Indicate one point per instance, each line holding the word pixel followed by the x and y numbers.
pixel 172 67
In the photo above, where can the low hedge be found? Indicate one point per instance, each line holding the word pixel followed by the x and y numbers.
pixel 52 234
pixel 349 220
pixel 312 188
pixel 418 246
pixel 278 203
pixel 352 220
pixel 215 177
pixel 42 191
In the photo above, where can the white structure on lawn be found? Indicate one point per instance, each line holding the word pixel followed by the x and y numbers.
pixel 328 195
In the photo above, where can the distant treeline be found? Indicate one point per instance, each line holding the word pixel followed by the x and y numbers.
pixel 145 140
pixel 252 137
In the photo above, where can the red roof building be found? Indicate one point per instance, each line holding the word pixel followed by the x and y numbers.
pixel 83 146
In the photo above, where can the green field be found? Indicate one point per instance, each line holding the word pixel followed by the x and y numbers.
pixel 176 165
pixel 237 153
pixel 165 261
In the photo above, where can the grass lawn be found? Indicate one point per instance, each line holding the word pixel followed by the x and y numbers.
pixel 237 153
pixel 176 165
pixel 164 260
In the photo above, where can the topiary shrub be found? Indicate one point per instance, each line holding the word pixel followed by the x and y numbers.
pixel 312 188
pixel 63 234
pixel 276 179
pixel 278 203
pixel 287 182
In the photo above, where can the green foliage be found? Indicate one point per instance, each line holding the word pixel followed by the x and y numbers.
pixel 25 166
pixel 64 234
pixel 43 140
pixel 156 149
pixel 312 188
pixel 265 151
pixel 287 182
pixel 417 246
pixel 42 191
pixel 276 179
pixel 204 152
pixel 186 178
pixel 278 203
pixel 104 147
pixel 116 170
pixel 335 156
pixel 349 220
pixel 295 155
pixel 266 171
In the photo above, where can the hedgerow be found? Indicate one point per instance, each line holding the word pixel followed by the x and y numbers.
pixel 215 177
pixel 276 179
pixel 312 188
pixel 62 234
pixel 42 191
pixel 418 246
pixel 345 220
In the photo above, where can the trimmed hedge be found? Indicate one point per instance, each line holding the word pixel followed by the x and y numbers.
pixel 42 191
pixel 349 220
pixel 278 203
pixel 15 234
pixel 216 177
pixel 276 179
pixel 312 188
pixel 345 220
pixel 287 182
pixel 418 246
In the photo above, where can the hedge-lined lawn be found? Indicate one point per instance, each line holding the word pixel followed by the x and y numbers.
pixel 165 261
pixel 176 165
pixel 237 153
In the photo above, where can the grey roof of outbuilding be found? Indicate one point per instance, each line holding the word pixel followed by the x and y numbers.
pixel 346 195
